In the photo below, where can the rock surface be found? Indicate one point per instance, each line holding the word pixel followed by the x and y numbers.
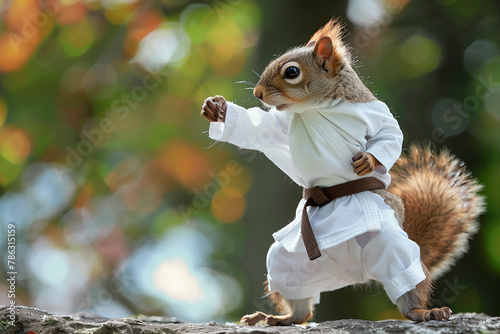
pixel 34 321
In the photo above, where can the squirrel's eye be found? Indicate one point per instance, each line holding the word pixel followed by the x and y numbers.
pixel 292 72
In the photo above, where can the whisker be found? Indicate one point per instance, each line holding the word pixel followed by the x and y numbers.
pixel 257 74
pixel 245 82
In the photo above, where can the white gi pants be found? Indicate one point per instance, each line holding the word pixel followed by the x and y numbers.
pixel 387 256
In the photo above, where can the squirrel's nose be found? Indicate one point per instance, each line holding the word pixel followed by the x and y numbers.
pixel 258 91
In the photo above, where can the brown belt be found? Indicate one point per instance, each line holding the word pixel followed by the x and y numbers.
pixel 320 196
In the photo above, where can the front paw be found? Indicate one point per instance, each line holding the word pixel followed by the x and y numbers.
pixel 214 109
pixel 364 163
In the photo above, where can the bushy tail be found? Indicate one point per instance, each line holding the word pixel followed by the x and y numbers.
pixel 442 204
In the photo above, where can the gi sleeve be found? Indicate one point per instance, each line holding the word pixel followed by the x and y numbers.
pixel 384 137
pixel 257 129
pixel 252 129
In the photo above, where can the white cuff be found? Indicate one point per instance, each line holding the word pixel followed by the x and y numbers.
pixel 216 131
pixel 405 281
pixel 383 157
pixel 222 131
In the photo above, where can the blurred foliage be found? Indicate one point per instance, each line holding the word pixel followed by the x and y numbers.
pixel 122 204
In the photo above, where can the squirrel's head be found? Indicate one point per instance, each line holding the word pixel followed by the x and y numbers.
pixel 308 75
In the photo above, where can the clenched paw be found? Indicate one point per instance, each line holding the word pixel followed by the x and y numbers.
pixel 214 109
pixel 364 163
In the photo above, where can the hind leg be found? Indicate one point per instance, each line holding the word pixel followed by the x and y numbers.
pixel 413 304
pixel 296 277
pixel 292 312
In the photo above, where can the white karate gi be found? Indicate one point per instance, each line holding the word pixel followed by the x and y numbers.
pixel 359 234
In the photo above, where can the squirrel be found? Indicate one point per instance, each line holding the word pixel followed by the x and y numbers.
pixel 326 129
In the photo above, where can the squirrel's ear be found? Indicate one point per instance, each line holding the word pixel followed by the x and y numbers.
pixel 323 49
pixel 327 56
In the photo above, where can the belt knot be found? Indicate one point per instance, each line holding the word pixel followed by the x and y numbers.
pixel 317 195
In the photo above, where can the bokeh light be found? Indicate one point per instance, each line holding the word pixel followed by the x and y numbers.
pixel 71 12
pixel 421 53
pixel 367 12
pixel 15 146
pixel 16 50
pixel 479 52
pixel 77 38
pixel 189 165
pixel 450 116
pixel 168 44
pixel 142 24
pixel 174 279
pixel 172 270
pixel 228 205
pixel 49 192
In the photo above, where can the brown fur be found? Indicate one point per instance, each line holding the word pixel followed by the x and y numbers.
pixel 441 204
pixel 418 297
pixel 332 29
pixel 350 88
pixel 276 299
